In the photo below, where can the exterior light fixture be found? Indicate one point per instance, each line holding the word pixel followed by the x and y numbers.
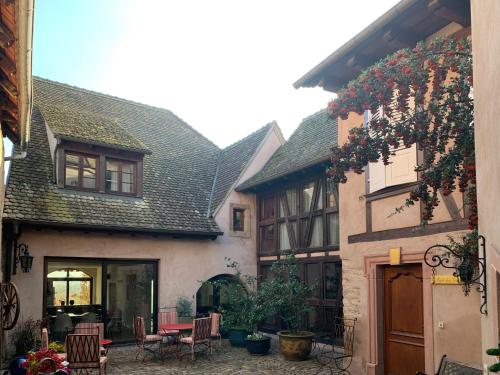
pixel 24 258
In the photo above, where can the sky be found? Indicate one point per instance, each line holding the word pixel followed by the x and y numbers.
pixel 226 67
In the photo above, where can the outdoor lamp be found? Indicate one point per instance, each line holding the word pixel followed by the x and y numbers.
pixel 24 257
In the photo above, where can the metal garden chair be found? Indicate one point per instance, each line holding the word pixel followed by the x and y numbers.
pixel 201 336
pixel 338 349
pixel 83 354
pixel 144 341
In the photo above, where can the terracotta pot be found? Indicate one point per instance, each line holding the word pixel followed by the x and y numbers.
pixel 295 346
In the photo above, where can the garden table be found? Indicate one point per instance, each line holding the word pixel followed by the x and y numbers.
pixel 105 343
pixel 175 330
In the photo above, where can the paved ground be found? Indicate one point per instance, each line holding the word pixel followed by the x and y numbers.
pixel 227 360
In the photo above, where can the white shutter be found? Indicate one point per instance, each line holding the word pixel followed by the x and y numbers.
pixel 376 171
pixel 402 167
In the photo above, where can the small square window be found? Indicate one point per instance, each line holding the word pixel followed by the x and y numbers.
pixel 238 220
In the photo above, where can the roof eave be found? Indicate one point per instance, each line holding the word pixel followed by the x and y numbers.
pixel 102 144
pixel 120 229
pixel 242 188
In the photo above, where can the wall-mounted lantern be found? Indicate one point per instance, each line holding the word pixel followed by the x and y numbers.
pixel 23 257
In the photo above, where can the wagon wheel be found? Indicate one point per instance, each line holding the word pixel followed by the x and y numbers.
pixel 11 307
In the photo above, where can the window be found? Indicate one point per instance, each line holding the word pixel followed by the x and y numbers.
pixel 80 171
pixel 238 219
pixel 120 176
pixel 69 287
pixel 401 167
pixel 307 217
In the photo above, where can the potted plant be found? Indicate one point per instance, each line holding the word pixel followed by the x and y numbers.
pixel 466 254
pixel 184 310
pixel 257 343
pixel 494 352
pixel 286 295
pixel 238 302
pixel 25 336
pixel 44 362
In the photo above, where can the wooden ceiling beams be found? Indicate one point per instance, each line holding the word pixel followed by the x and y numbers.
pixel 6 37
pixel 451 10
pixel 397 38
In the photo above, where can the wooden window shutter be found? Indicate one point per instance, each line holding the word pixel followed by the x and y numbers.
pixel 402 167
pixel 376 178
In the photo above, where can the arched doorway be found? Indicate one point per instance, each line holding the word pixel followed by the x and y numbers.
pixel 210 297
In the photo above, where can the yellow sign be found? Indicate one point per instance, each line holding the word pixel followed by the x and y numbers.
pixel 395 256
pixel 445 280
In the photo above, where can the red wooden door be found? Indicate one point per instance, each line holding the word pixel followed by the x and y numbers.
pixel 403 320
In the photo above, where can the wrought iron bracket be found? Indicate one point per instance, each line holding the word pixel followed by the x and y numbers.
pixel 470 270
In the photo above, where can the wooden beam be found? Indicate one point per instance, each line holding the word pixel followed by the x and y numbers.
pixel 8 86
pixel 451 206
pixel 398 38
pixel 416 231
pixel 7 66
pixel 6 37
pixel 357 62
pixel 452 11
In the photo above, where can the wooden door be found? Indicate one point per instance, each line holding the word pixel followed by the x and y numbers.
pixel 403 320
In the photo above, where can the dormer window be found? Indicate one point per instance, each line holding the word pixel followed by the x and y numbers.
pixel 80 171
pixel 93 168
pixel 120 176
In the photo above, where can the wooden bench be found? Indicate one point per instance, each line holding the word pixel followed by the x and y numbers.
pixel 451 367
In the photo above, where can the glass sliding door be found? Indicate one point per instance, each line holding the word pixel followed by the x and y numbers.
pixel 100 290
pixel 130 291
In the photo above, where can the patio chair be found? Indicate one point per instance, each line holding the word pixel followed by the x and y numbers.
pixel 201 336
pixel 83 354
pixel 215 328
pixel 92 329
pixel 144 341
pixel 338 349
pixel 167 317
pixel 62 326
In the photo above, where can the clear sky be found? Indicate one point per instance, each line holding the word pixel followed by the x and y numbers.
pixel 224 66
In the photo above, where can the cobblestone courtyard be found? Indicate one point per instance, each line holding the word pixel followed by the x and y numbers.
pixel 227 360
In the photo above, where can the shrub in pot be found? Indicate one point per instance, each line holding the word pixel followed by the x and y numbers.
pixel 257 343
pixel 286 296
pixel 184 310
pixel 25 336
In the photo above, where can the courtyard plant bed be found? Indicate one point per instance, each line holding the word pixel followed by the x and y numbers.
pixel 286 296
pixel 258 344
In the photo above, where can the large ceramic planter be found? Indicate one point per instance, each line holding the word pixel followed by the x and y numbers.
pixel 295 346
pixel 259 347
pixel 237 337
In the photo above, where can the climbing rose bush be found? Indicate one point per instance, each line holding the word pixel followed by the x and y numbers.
pixel 425 97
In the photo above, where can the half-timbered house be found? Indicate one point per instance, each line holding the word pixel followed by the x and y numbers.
pixel 406 318
pixel 125 208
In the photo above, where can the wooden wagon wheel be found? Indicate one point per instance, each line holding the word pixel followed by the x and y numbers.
pixel 10 305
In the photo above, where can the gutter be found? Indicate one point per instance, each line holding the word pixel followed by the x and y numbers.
pixel 24 52
pixel 112 228
pixel 310 79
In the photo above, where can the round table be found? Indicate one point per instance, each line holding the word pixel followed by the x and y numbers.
pixel 105 343
pixel 176 327
pixel 179 327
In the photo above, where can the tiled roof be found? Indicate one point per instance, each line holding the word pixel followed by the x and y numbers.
pixel 308 145
pixel 178 175
pixel 87 127
pixel 233 160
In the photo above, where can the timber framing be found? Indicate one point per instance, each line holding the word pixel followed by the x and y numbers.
pixel 415 231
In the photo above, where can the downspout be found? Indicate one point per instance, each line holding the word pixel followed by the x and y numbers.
pixel 25 19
